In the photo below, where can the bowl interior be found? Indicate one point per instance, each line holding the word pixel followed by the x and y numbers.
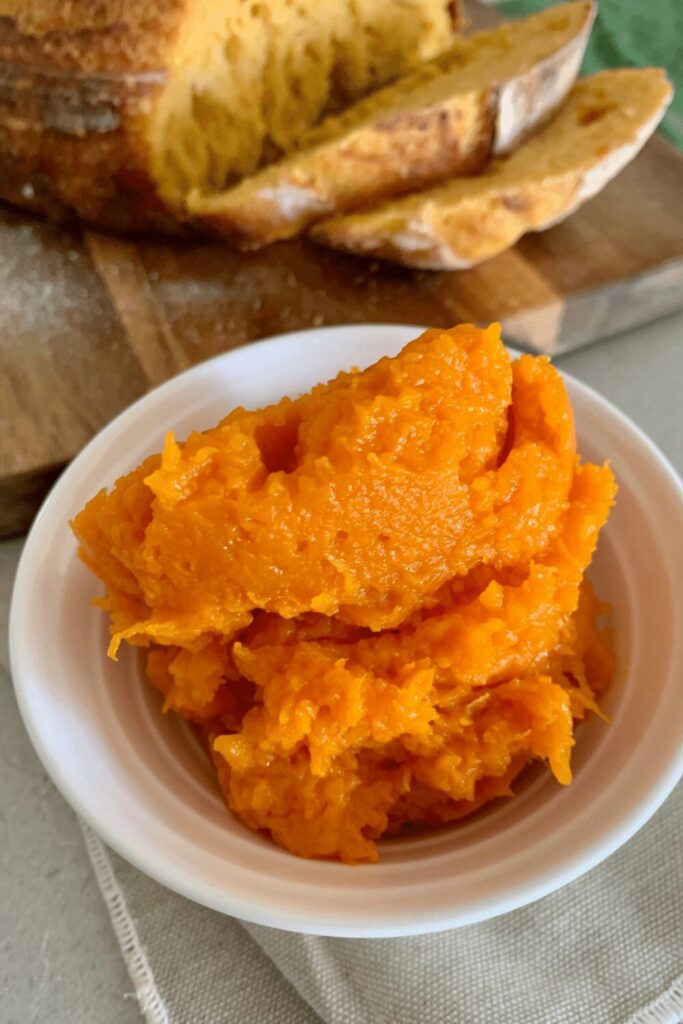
pixel 142 781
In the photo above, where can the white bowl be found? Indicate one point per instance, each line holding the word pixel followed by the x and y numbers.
pixel 138 778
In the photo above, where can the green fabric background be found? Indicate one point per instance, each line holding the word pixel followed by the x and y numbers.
pixel 633 33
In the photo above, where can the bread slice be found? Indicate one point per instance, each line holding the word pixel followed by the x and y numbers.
pixel 114 110
pixel 606 120
pixel 445 118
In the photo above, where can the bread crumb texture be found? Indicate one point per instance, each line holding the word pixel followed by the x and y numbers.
pixel 246 80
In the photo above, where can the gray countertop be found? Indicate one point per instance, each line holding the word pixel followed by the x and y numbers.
pixel 59 962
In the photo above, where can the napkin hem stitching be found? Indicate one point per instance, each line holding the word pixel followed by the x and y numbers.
pixel 664 1009
pixel 149 998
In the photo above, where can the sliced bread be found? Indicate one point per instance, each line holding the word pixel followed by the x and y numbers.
pixel 447 117
pixel 114 110
pixel 604 123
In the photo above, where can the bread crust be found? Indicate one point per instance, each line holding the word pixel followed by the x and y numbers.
pixel 110 37
pixel 72 147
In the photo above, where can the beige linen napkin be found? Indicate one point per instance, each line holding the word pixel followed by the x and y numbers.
pixel 606 949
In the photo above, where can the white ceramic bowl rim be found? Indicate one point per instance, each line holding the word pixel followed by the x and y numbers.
pixel 263 884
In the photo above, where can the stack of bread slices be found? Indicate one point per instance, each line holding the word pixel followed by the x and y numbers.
pixel 246 123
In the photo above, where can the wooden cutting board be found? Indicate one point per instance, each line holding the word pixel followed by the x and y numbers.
pixel 89 322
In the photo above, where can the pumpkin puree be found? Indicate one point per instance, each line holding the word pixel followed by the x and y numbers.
pixel 370 599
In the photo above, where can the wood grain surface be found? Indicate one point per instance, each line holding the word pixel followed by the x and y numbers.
pixel 90 322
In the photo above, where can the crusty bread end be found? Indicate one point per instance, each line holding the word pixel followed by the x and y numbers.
pixel 606 120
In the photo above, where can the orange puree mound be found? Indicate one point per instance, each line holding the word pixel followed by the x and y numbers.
pixel 358 500
pixel 370 599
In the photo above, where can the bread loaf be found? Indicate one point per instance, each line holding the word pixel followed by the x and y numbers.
pixel 446 117
pixel 606 120
pixel 115 110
